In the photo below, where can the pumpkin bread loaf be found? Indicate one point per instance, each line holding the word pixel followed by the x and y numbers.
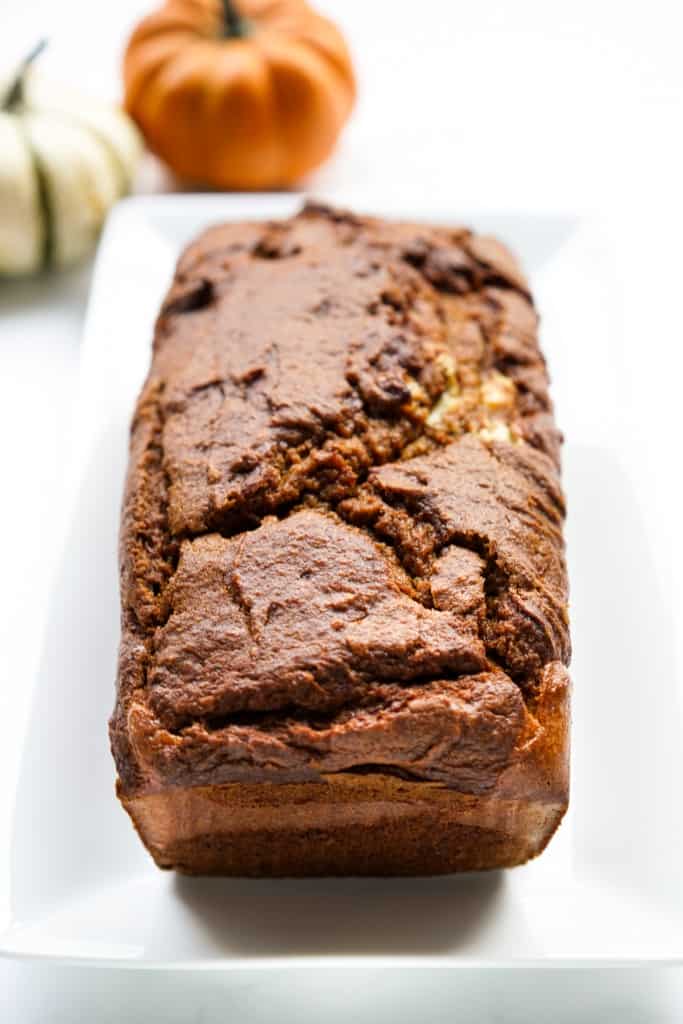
pixel 342 576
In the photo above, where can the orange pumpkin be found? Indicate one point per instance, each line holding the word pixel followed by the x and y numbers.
pixel 247 95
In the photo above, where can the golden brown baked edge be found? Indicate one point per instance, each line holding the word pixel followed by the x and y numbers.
pixel 368 824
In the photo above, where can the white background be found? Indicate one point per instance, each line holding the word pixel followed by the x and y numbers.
pixel 527 104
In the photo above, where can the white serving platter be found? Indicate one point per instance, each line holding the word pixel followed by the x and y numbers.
pixel 609 889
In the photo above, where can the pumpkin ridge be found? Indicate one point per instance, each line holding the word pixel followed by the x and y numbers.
pixel 107 148
pixel 44 201
pixel 149 67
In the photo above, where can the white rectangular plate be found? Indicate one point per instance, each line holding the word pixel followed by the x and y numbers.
pixel 608 889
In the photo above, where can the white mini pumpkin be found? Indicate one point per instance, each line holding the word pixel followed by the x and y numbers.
pixel 64 161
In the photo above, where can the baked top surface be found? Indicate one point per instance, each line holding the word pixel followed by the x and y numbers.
pixel 341 540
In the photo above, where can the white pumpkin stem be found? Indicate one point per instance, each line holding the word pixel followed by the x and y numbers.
pixel 15 93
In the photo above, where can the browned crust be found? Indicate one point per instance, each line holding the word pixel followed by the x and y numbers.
pixel 367 824
pixel 401 830
pixel 440 742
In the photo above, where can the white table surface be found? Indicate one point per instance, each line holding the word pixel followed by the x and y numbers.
pixel 525 104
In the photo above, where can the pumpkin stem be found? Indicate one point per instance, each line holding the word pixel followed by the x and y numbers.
pixel 15 93
pixel 234 25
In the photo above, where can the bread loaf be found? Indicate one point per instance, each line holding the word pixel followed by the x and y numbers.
pixel 344 617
